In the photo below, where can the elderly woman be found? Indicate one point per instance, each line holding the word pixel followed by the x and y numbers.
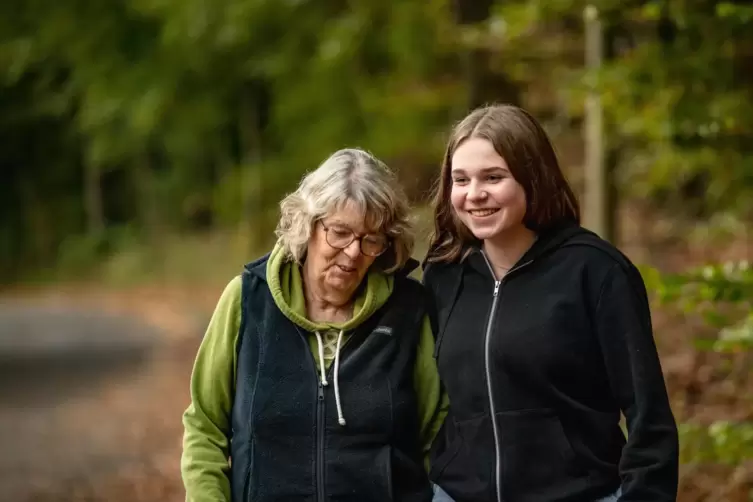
pixel 316 380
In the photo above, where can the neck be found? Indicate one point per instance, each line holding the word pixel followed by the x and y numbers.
pixel 504 250
pixel 322 304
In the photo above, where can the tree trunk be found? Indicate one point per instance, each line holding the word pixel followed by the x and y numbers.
pixel 254 102
pixel 250 145
pixel 600 191
pixel 483 85
pixel 146 188
pixel 95 218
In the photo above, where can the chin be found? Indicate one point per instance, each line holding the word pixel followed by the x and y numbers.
pixel 483 235
pixel 489 232
pixel 340 284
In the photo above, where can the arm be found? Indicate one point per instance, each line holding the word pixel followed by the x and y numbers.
pixel 649 463
pixel 426 280
pixel 432 400
pixel 204 463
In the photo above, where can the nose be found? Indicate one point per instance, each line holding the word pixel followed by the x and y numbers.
pixel 353 249
pixel 475 191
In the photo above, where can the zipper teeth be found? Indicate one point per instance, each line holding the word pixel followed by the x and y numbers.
pixel 492 409
pixel 320 444
pixel 320 492
pixel 487 365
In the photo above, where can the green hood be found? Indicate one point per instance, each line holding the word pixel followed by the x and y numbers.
pixel 286 284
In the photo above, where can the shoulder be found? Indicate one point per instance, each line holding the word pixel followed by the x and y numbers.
pixel 406 283
pixel 595 254
pixel 256 268
pixel 438 273
pixel 253 278
pixel 232 293
pixel 605 266
pixel 409 292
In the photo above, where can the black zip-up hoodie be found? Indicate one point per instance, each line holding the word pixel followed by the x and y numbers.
pixel 537 368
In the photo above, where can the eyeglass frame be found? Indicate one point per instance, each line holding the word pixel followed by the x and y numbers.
pixel 355 237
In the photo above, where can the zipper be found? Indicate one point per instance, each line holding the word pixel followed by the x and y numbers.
pixel 487 367
pixel 319 419
pixel 492 411
pixel 320 493
pixel 320 443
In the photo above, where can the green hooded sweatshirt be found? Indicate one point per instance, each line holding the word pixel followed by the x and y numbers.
pixel 204 463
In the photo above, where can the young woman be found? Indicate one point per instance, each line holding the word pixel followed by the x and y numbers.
pixel 543 334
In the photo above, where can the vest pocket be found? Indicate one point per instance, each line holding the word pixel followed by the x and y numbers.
pixel 535 454
pixel 246 484
pixel 247 477
pixel 363 476
pixel 447 451
pixel 465 465
pixel 389 475
pixel 241 463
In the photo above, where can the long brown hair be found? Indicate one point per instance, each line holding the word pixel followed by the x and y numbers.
pixel 519 139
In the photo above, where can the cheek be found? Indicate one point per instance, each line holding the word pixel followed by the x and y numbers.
pixel 457 198
pixel 520 200
pixel 366 262
pixel 517 205
pixel 513 196
pixel 321 253
pixel 329 253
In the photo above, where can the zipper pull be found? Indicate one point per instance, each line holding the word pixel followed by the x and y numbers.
pixel 496 287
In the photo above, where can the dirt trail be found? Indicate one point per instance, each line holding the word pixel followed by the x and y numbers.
pixel 91 399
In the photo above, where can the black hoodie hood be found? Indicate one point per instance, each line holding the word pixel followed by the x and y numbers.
pixel 546 242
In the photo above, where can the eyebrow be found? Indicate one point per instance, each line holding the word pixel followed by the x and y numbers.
pixel 485 170
pixel 340 223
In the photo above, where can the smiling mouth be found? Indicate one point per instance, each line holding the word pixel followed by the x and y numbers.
pixel 482 212
pixel 346 269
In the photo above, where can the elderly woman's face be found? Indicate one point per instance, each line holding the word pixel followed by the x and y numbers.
pixel 343 269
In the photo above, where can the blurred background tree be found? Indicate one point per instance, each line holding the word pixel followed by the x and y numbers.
pixel 133 131
pixel 148 116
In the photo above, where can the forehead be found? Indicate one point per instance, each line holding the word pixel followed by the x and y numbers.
pixel 352 216
pixel 476 154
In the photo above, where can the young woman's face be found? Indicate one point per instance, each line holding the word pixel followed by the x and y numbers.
pixel 484 194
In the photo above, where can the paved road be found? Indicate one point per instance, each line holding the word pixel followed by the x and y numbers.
pixel 48 355
pixel 84 397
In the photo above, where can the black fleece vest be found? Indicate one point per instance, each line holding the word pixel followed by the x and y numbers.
pixel 287 444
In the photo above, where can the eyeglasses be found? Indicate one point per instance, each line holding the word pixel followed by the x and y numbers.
pixel 341 237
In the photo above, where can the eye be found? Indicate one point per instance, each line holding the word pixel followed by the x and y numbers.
pixel 340 231
pixel 460 180
pixel 495 177
pixel 376 240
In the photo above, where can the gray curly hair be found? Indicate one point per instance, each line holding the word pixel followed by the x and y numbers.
pixel 348 175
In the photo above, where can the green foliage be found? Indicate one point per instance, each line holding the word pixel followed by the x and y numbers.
pixel 721 442
pixel 172 103
pixel 172 97
pixel 705 287
pixel 676 93
pixel 722 295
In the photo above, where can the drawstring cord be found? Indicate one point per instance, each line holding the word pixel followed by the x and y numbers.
pixel 340 417
pixel 321 358
pixel 320 343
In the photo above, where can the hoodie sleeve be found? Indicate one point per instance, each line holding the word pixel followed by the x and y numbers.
pixel 204 463
pixel 649 462
pixel 432 400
